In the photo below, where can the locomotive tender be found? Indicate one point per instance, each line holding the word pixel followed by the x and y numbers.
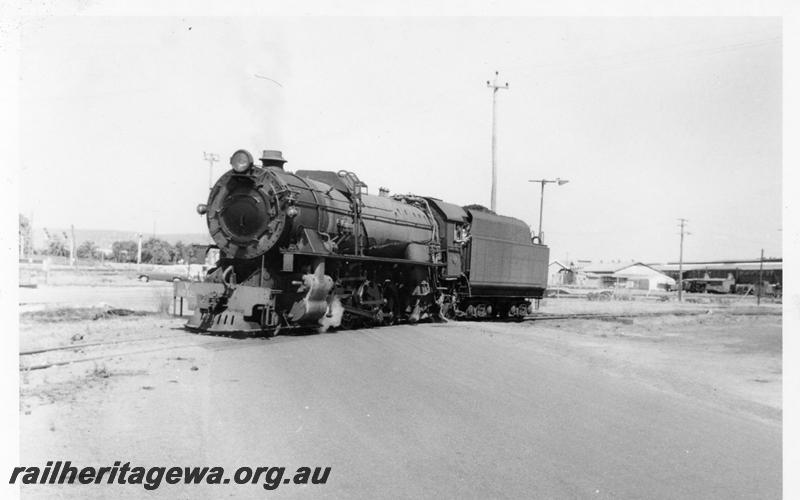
pixel 312 248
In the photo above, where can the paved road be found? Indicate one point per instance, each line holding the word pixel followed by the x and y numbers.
pixel 447 411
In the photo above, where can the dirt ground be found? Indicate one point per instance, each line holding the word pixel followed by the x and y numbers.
pixel 723 357
pixel 728 356
pixel 730 359
pixel 99 275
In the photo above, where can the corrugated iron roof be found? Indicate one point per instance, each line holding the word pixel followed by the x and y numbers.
pixel 615 268
pixel 606 268
pixel 743 266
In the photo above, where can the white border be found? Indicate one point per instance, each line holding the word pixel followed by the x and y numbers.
pixel 11 15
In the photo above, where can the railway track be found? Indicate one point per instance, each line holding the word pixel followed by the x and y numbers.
pixel 89 344
pixel 38 359
pixel 609 316
pixel 652 314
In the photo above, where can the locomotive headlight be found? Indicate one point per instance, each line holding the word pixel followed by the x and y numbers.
pixel 241 161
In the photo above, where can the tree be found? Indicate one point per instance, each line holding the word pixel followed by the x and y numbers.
pixel 183 252
pixel 179 251
pixel 57 247
pixel 156 251
pixel 87 250
pixel 124 251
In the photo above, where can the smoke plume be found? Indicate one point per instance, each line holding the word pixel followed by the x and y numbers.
pixel 333 318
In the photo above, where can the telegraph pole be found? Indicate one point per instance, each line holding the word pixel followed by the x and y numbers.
pixel 211 158
pixel 29 238
pixel 558 181
pixel 760 278
pixel 139 252
pixel 495 87
pixel 72 256
pixel 680 262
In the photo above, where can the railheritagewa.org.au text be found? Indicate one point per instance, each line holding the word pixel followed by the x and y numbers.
pixel 151 478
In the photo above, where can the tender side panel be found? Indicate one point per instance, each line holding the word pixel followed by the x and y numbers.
pixel 502 255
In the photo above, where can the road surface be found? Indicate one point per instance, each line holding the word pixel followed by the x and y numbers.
pixel 460 410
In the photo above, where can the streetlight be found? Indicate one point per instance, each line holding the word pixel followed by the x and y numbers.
pixel 558 181
pixel 495 87
pixel 211 158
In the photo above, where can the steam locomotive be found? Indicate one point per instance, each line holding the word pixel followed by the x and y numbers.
pixel 313 249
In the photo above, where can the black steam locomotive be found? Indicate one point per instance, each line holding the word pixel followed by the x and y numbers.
pixel 312 248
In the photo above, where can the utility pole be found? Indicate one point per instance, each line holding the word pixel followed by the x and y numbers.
pixel 680 261
pixel 558 181
pixel 139 252
pixel 495 87
pixel 760 278
pixel 72 259
pixel 29 240
pixel 211 158
pixel 541 211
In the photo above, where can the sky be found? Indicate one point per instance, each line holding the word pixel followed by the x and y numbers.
pixel 650 120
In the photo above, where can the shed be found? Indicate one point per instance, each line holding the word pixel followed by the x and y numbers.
pixel 559 274
pixel 744 272
pixel 631 275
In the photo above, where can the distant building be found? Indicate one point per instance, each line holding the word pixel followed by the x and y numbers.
pixel 559 274
pixel 713 276
pixel 635 275
pixel 744 272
